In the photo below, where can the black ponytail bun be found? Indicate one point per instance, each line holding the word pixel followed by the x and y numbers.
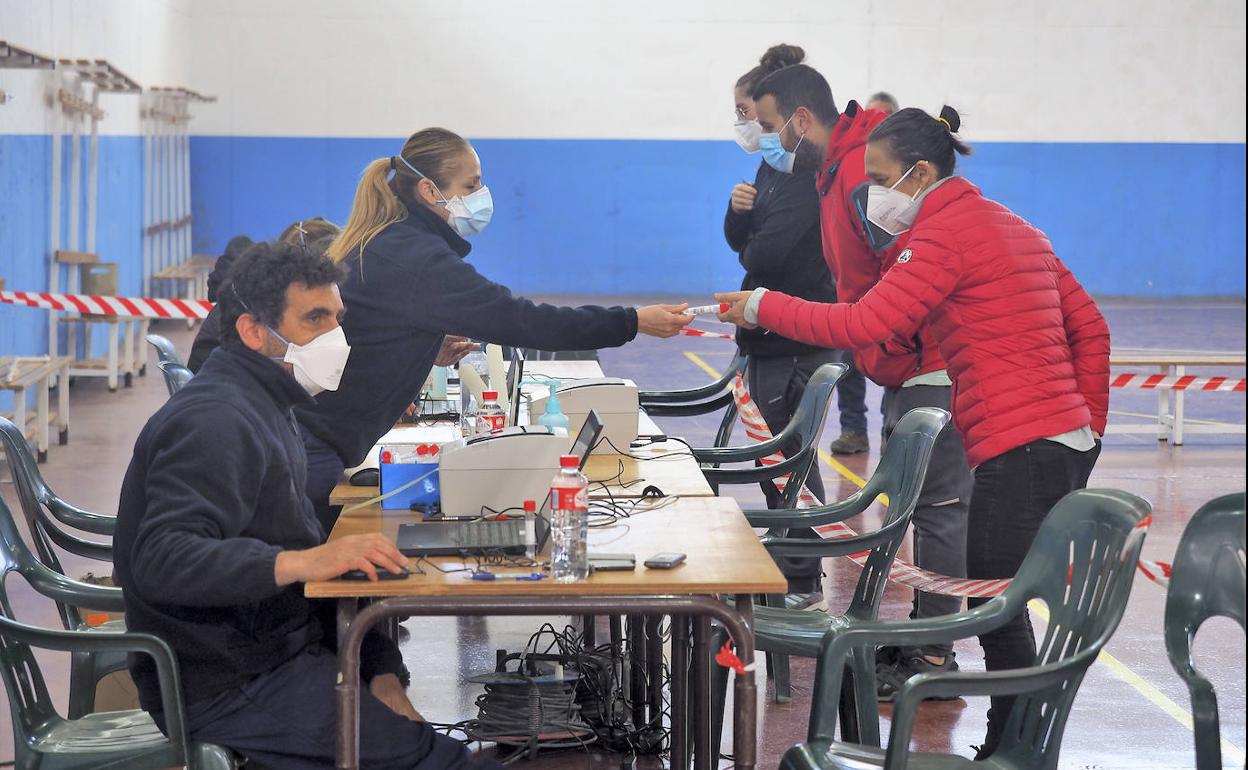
pixel 781 56
pixel 951 118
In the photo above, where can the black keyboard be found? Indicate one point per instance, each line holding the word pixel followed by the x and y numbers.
pixel 488 534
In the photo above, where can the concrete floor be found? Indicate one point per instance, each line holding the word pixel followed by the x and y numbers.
pixel 1131 710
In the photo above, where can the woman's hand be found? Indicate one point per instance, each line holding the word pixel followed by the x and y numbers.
pixel 743 198
pixel 454 349
pixel 662 320
pixel 735 314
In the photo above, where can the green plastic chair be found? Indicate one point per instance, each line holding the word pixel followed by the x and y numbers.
pixel 54 522
pixel 800 437
pixel 1207 581
pixel 165 351
pixel 118 739
pixel 176 375
pixel 697 401
pixel 782 632
pixel 1081 565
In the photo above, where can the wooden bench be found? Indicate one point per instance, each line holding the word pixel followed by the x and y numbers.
pixel 125 354
pixel 1171 424
pixel 20 375
pixel 191 276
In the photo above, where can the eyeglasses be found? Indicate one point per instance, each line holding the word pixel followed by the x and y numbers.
pixel 742 112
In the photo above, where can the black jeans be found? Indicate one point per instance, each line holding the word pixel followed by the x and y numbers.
pixel 1013 493
pixel 851 396
pixel 939 522
pixel 286 719
pixel 776 385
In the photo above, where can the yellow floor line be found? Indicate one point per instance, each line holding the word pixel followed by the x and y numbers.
pixel 1116 667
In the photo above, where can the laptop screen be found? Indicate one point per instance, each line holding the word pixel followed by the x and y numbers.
pixel 514 377
pixel 587 438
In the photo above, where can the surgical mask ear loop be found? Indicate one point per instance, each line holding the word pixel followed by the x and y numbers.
pixel 413 169
pixel 274 332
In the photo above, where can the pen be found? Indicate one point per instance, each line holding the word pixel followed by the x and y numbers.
pixel 533 576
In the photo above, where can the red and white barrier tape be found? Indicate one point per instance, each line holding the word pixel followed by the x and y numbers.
pixel 1188 382
pixel 688 332
pixel 902 572
pixel 90 304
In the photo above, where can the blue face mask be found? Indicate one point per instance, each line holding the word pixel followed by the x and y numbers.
pixel 469 213
pixel 773 149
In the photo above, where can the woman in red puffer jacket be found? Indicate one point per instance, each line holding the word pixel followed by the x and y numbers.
pixel 1027 348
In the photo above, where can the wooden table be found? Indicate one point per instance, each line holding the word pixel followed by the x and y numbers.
pixel 673 470
pixel 724 557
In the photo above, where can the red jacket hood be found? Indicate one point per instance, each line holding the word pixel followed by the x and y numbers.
pixel 851 131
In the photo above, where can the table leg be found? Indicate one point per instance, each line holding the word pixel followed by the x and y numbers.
pixel 1179 371
pixel 637 669
pixel 705 755
pixel 654 670
pixel 680 693
pixel 113 362
pixel 62 405
pixel 347 688
pixel 41 430
pixel 745 694
pixel 1163 409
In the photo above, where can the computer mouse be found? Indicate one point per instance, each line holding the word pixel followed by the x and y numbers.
pixel 382 574
pixel 366 477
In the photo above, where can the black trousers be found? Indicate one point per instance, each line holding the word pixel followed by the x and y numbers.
pixel 1013 493
pixel 286 720
pixel 776 385
pixel 939 522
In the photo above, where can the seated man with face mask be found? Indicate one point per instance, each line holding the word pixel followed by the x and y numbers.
pixel 216 535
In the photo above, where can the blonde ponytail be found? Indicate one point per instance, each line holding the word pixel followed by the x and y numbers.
pixel 375 208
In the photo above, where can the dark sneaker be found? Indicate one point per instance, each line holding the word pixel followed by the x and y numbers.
pixel 808 602
pixel 890 677
pixel 850 443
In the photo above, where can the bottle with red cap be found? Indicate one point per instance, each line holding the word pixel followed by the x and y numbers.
pixel 569 522
pixel 490 416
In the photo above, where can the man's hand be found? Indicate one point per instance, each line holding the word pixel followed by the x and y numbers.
pixel 389 690
pixel 454 349
pixel 325 562
pixel 743 198
pixel 662 320
pixel 736 310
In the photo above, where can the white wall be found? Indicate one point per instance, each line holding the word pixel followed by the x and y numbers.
pixel 149 40
pixel 1034 70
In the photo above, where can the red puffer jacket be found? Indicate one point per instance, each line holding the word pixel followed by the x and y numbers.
pixel 1027 348
pixel 857 253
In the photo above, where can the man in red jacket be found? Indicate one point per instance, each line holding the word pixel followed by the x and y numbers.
pixel 795 104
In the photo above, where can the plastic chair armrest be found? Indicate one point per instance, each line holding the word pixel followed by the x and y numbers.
pixel 650 398
pixel 841 546
pixel 740 454
pixel 687 409
pixel 69 591
pixel 129 641
pixel 811 517
pixel 87 521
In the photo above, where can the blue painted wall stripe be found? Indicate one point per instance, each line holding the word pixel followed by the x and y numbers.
pixel 601 217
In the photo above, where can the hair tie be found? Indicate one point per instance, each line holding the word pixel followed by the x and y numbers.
pixel 392 166
pixel 942 120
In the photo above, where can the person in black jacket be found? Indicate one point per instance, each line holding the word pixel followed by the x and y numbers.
pixel 208 338
pixel 773 225
pixel 306 232
pixel 215 537
pixel 409 285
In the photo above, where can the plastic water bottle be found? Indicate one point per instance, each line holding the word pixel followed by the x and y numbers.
pixel 530 528
pixel 569 522
pixel 490 415
pixel 468 420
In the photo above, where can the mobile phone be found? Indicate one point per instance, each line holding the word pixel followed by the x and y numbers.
pixel 664 560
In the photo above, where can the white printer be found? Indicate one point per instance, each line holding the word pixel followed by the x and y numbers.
pixel 499 470
pixel 614 399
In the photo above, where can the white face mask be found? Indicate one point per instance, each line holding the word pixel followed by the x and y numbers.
pixel 890 209
pixel 748 133
pixel 320 363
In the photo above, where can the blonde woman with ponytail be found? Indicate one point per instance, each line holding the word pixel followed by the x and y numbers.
pixel 413 300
